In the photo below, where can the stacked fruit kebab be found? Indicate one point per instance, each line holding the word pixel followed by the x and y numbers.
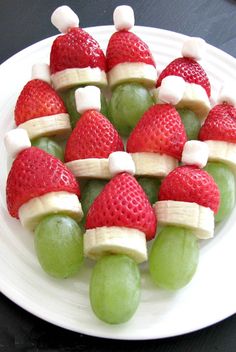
pixel 120 218
pixel 76 59
pixel 41 112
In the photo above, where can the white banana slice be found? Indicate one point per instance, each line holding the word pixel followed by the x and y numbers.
pixel 222 151
pixel 78 76
pixel 115 240
pixel 93 167
pixel 133 71
pixel 194 98
pixel 196 217
pixel 32 212
pixel 153 164
pixel 58 124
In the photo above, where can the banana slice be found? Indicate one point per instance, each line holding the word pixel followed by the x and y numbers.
pixel 134 72
pixel 58 124
pixel 32 212
pixel 195 98
pixel 111 240
pixel 78 76
pixel 198 218
pixel 222 151
pixel 94 167
pixel 153 164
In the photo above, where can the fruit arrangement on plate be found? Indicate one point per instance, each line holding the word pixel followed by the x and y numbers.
pixel 118 164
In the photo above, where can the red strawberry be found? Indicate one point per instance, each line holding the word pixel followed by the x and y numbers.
pixel 220 124
pixel 76 49
pixel 34 173
pixel 190 184
pixel 123 202
pixel 37 99
pixel 125 46
pixel 160 130
pixel 93 137
pixel 189 70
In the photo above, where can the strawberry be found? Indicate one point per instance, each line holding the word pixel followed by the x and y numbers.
pixel 76 49
pixel 125 46
pixel 123 202
pixel 190 184
pixel 220 124
pixel 93 137
pixel 189 70
pixel 160 130
pixel 34 173
pixel 37 99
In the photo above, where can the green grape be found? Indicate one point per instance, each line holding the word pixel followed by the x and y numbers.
pixel 59 245
pixel 49 146
pixel 69 100
pixel 173 258
pixel 191 123
pixel 224 179
pixel 90 192
pixel 151 187
pixel 115 288
pixel 128 103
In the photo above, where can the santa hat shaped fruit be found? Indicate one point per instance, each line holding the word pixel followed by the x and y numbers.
pixel 219 129
pixel 38 184
pixel 120 220
pixel 95 149
pixel 128 57
pixel 39 109
pixel 76 57
pixel 188 196
pixel 184 80
pixel 157 141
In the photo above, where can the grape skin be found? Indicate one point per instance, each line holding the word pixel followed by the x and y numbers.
pixel 115 288
pixel 173 258
pixel 59 245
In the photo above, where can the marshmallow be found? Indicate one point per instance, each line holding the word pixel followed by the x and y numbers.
pixel 227 94
pixel 63 18
pixel 42 72
pixel 16 141
pixel 121 162
pixel 171 90
pixel 88 98
pixel 123 17
pixel 194 48
pixel 195 153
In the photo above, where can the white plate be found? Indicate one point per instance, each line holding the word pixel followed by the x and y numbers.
pixel 209 297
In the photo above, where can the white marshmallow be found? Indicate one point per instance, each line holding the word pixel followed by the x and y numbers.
pixel 121 162
pixel 123 17
pixel 227 94
pixel 194 48
pixel 42 72
pixel 195 153
pixel 63 18
pixel 88 98
pixel 172 89
pixel 16 141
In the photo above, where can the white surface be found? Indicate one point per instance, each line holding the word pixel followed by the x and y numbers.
pixel 16 141
pixel 195 153
pixel 121 162
pixel 194 48
pixel 88 98
pixel 64 18
pixel 227 93
pixel 123 17
pixel 172 89
pixel 210 297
